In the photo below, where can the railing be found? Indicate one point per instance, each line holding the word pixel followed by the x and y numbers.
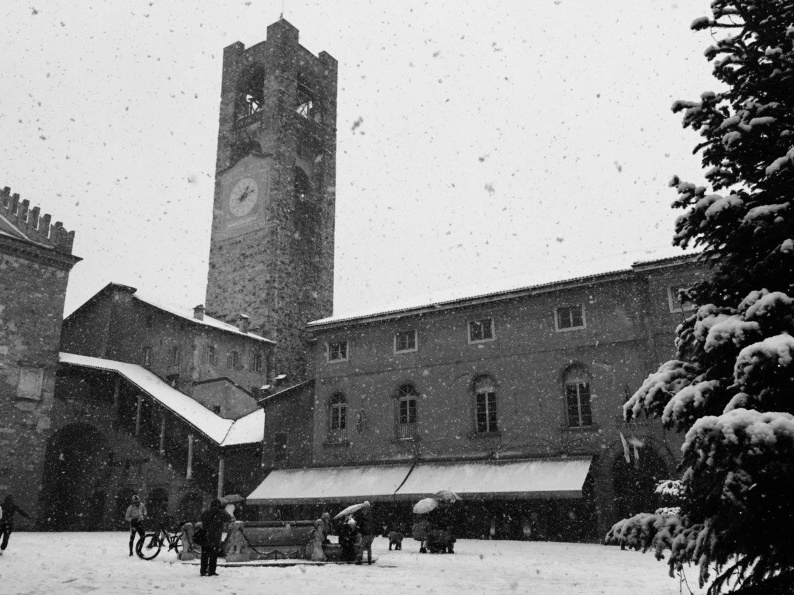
pixel 641 422
pixel 406 431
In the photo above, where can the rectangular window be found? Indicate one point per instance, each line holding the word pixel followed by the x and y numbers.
pixel 405 341
pixel 678 304
pixel 210 355
pixel 176 356
pixel 481 330
pixel 257 363
pixel 30 382
pixel 337 352
pixel 569 317
pixel 579 412
pixel 486 412
pixel 280 447
pixel 235 360
pixel 147 357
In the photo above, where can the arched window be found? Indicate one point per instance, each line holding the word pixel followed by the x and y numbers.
pixel 485 404
pixel 577 397
pixel 337 413
pixel 406 412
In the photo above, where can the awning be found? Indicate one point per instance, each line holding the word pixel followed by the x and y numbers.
pixel 544 478
pixel 331 484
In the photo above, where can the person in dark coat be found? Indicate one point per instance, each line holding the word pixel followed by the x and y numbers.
pixel 8 510
pixel 214 520
pixel 368 529
pixel 349 537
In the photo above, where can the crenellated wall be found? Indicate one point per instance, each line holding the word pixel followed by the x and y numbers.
pixel 35 226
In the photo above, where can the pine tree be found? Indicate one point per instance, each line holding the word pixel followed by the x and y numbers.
pixel 731 387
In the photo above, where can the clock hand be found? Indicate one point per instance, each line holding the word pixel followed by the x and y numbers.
pixel 244 194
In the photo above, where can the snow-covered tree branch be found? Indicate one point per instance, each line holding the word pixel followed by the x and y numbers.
pixel 731 386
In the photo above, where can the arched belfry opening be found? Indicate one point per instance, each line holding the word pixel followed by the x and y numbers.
pixel 251 92
pixel 307 102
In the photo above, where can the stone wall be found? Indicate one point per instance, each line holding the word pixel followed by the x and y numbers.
pixel 31 308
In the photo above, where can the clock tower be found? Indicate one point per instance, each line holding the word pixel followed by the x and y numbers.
pixel 272 245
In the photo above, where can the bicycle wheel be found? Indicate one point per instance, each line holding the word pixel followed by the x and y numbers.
pixel 149 546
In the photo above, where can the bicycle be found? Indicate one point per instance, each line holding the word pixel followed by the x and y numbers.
pixel 151 544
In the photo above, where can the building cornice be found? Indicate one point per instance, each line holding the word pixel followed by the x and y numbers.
pixel 38 253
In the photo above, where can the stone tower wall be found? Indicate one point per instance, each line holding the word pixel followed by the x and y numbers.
pixel 280 272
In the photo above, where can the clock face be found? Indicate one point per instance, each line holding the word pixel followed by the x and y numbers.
pixel 243 197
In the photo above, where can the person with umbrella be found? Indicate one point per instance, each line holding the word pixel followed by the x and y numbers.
pixel 367 528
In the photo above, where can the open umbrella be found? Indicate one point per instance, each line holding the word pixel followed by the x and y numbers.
pixel 447 496
pixel 353 508
pixel 232 499
pixel 425 505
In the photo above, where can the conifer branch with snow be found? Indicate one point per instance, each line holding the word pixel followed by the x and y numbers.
pixel 731 386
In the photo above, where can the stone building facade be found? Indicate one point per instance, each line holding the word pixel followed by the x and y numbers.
pixel 537 374
pixel 35 260
pixel 272 246
pixel 153 400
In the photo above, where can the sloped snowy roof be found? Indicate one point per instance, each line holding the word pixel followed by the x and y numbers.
pixel 543 478
pixel 224 432
pixel 547 280
pixel 187 313
pixel 329 484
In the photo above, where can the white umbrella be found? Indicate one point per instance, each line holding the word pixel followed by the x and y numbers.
pixel 351 509
pixel 425 505
pixel 232 499
pixel 447 496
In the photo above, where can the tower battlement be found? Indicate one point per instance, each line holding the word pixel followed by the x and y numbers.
pixel 35 226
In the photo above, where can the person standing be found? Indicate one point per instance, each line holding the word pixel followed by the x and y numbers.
pixel 349 540
pixel 7 512
pixel 367 528
pixel 214 519
pixel 136 513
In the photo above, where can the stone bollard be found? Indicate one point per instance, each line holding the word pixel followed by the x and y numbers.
pixel 188 549
pixel 237 547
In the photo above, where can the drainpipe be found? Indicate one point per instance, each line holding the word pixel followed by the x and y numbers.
pixel 189 472
pixel 138 415
pixel 221 470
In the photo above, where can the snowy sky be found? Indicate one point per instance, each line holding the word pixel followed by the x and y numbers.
pixel 502 143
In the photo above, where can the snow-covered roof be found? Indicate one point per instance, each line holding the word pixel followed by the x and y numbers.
pixel 542 478
pixel 224 432
pixel 547 280
pixel 329 484
pixel 187 313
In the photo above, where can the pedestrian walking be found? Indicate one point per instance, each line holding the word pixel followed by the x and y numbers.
pixel 213 519
pixel 7 512
pixel 136 513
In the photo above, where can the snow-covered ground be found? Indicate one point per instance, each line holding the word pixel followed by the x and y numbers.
pixel 79 563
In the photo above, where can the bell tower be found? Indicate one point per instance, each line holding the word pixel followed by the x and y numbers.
pixel 272 245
